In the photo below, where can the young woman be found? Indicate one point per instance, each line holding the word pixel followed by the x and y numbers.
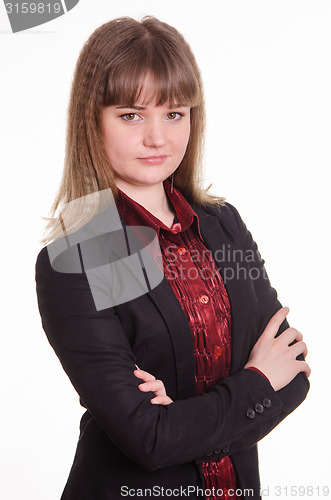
pixel 181 382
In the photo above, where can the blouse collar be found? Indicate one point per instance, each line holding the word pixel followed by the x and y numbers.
pixel 135 214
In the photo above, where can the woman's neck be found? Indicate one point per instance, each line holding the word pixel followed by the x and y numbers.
pixel 153 198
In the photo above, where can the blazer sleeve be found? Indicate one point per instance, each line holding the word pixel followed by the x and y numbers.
pixel 294 393
pixel 96 355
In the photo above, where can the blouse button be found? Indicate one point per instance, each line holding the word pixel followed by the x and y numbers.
pixel 176 227
pixel 204 299
pixel 181 250
pixel 218 351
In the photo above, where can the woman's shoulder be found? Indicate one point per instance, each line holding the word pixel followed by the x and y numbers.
pixel 227 214
pixel 58 258
pixel 46 275
pixel 42 260
pixel 219 209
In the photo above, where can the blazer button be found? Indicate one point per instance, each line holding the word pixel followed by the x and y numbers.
pixel 225 450
pixel 250 413
pixel 259 408
pixel 266 403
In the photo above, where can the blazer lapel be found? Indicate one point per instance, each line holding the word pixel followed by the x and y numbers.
pixel 223 248
pixel 165 300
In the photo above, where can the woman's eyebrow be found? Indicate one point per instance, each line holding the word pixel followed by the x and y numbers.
pixel 122 106
pixel 142 108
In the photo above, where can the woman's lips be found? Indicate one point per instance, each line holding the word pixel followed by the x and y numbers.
pixel 154 160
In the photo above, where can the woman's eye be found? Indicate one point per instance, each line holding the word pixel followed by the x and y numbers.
pixel 130 117
pixel 174 116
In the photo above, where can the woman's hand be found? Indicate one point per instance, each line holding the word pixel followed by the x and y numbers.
pixel 156 386
pixel 275 357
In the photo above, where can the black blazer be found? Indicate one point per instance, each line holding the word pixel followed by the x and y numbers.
pixel 127 444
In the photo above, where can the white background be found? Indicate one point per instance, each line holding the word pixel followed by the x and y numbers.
pixel 267 74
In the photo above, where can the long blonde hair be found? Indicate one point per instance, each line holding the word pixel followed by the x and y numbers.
pixel 110 70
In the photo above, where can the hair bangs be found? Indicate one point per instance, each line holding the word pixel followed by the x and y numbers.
pixel 170 81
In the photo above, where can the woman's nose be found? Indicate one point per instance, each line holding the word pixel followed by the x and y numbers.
pixel 154 135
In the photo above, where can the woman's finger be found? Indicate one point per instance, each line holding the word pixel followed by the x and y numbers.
pixel 305 367
pixel 290 335
pixel 274 323
pixel 155 386
pixel 161 400
pixel 299 348
pixel 151 384
pixel 144 375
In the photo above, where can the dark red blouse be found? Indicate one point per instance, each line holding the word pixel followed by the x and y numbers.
pixel 192 273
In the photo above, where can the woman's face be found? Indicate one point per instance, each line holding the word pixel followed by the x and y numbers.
pixel 146 143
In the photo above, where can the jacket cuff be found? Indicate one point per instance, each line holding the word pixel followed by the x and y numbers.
pixel 258 371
